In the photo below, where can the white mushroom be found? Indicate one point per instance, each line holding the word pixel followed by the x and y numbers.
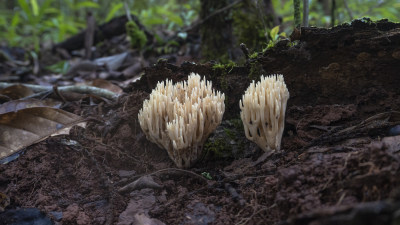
pixel 180 117
pixel 263 108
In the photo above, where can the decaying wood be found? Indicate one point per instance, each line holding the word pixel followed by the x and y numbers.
pixel 104 31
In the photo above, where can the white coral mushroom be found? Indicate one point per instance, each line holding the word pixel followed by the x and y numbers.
pixel 263 108
pixel 180 117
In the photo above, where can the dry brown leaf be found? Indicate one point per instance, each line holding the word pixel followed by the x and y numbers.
pixel 13 106
pixel 28 126
pixel 16 91
pixel 100 83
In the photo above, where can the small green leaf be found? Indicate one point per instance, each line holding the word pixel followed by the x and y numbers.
pixel 44 8
pixel 25 7
pixel 60 67
pixel 51 10
pixel 274 33
pixel 175 19
pixel 207 175
pixel 15 20
pixel 114 10
pixel 35 7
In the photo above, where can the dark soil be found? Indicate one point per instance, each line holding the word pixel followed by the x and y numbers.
pixel 339 162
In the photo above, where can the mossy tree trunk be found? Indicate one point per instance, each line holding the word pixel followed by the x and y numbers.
pixel 296 6
pixel 216 31
pixel 251 20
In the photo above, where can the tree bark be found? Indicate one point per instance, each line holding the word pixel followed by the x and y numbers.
pixel 216 32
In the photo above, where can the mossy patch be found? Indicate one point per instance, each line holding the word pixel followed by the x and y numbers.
pixel 227 141
pixel 256 70
pixel 222 71
pixel 136 36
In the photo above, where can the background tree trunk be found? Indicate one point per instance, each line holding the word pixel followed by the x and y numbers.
pixel 216 32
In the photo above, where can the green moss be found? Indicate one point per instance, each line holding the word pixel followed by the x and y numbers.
pixel 229 133
pixel 137 37
pixel 237 124
pixel 218 148
pixel 254 55
pixel 227 141
pixel 222 70
pixel 227 67
pixel 256 70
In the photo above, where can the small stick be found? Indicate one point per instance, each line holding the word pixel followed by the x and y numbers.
pixel 306 11
pixel 89 35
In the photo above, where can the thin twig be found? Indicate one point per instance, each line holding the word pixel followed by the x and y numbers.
pixel 170 169
pixel 127 11
pixel 306 11
pixel 89 34
pixel 55 90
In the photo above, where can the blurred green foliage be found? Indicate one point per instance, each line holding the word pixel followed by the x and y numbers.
pixel 29 23
pixel 346 11
pixel 137 37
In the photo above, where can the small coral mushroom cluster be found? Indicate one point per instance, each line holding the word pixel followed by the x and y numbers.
pixel 180 117
pixel 263 108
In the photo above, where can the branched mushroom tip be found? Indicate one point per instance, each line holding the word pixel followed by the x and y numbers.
pixel 263 108
pixel 180 117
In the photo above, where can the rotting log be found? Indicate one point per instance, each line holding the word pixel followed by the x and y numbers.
pixel 104 31
pixel 342 65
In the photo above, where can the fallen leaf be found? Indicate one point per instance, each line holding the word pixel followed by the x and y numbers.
pixel 31 125
pixel 100 83
pixel 4 201
pixel 16 91
pixel 112 62
pixel 15 105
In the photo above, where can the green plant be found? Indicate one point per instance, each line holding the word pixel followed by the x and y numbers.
pixel 345 11
pixel 115 7
pixel 207 175
pixel 35 21
pixel 254 55
pixel 274 37
pixel 171 15
pixel 33 16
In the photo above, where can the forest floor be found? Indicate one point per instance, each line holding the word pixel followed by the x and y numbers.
pixel 339 161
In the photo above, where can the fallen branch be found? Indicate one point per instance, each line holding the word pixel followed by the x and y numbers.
pixel 78 89
pixel 104 31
